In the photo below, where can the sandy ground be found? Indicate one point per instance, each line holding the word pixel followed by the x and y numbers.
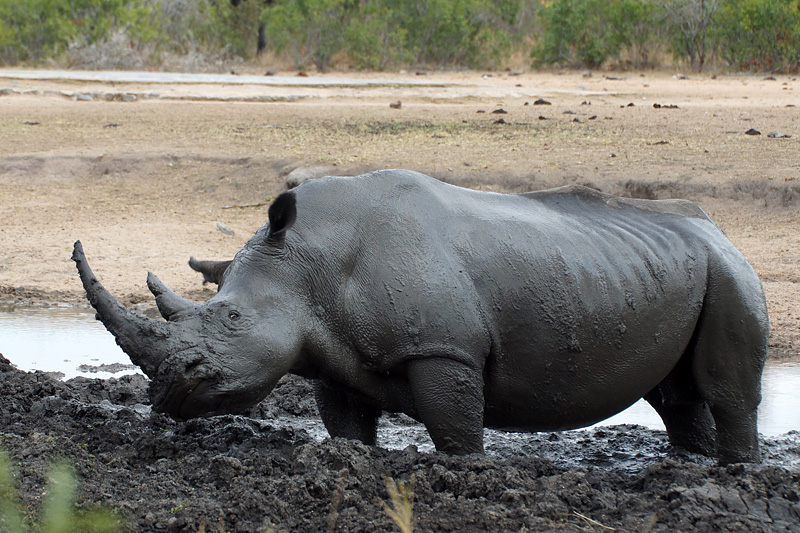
pixel 143 174
pixel 143 183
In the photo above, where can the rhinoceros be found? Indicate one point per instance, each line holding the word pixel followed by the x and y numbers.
pixel 464 309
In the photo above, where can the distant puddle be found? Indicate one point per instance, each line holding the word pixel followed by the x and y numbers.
pixel 68 340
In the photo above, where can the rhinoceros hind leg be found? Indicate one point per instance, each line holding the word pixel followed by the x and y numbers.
pixel 344 414
pixel 687 418
pixel 728 357
pixel 448 398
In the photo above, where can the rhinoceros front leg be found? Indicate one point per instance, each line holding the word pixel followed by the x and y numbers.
pixel 345 414
pixel 448 398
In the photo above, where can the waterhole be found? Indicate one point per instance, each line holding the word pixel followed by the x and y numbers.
pixel 70 342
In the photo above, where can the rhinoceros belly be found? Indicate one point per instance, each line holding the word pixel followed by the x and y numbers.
pixel 585 327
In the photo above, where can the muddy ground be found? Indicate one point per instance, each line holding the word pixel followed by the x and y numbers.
pixel 143 174
pixel 237 473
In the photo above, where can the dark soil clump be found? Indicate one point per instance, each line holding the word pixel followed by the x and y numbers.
pixel 253 473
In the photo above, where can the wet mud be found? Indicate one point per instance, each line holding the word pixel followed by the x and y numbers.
pixel 274 469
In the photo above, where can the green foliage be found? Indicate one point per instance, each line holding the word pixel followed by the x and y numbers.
pixel 570 35
pixel 33 30
pixel 235 27
pixel 587 33
pixel 387 33
pixel 57 514
pixel 690 24
pixel 374 41
pixel 637 29
pixel 310 30
pixel 759 34
pixel 456 32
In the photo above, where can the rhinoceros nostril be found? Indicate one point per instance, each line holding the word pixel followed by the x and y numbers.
pixel 205 373
pixel 193 363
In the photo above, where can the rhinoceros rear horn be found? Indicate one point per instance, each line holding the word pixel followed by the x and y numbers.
pixel 282 214
pixel 169 304
pixel 145 341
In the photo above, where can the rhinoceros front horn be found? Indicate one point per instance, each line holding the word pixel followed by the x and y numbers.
pixel 145 341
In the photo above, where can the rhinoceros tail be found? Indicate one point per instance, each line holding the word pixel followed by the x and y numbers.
pixel 212 271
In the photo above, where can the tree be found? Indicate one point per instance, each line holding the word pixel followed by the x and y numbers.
pixel 692 20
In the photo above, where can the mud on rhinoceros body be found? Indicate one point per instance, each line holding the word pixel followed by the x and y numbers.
pixel 464 309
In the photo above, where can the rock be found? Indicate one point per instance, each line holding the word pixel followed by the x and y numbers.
pixel 224 228
pixel 541 101
pixel 752 131
pixel 301 174
pixel 82 97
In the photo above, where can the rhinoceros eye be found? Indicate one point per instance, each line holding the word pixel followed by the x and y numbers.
pixel 234 315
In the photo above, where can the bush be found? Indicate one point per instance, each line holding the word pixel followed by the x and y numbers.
pixel 759 34
pixel 374 41
pixel 388 33
pixel 33 30
pixel 473 33
pixel 587 33
pixel 58 513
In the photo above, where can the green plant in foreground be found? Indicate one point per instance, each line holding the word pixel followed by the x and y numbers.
pixel 58 514
pixel 402 498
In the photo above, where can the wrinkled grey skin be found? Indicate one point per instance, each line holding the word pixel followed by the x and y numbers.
pixel 537 312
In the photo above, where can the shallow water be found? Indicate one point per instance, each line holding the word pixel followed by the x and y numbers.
pixel 59 339
pixel 62 339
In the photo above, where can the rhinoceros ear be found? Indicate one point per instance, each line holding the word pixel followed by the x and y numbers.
pixel 282 214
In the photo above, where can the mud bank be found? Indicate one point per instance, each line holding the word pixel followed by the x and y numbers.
pixel 253 473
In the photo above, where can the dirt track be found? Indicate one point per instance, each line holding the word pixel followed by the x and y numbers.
pixel 143 184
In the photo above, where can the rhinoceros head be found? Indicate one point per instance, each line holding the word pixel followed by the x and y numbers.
pixel 223 355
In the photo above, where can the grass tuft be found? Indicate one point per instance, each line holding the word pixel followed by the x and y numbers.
pixel 402 503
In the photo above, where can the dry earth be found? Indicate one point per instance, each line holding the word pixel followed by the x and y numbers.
pixel 143 183
pixel 142 174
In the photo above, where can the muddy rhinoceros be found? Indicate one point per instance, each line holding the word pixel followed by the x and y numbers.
pixel 464 309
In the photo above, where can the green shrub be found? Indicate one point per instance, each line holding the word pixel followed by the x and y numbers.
pixel 374 41
pixel 33 30
pixel 575 33
pixel 58 514
pixel 759 34
pixel 637 29
pixel 472 33
pixel 388 33
pixel 310 31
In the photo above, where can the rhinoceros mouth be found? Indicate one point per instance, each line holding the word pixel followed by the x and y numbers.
pixel 194 399
pixel 199 392
pixel 186 386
